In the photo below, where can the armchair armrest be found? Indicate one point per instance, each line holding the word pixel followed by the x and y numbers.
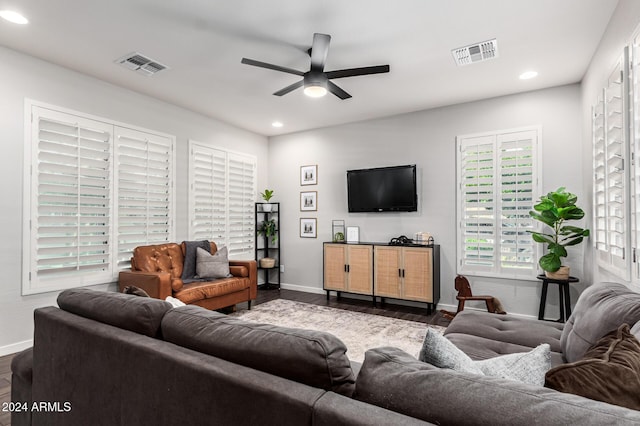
pixel 252 267
pixel 156 284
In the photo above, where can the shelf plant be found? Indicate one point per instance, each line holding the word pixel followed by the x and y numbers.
pixel 266 196
pixel 554 209
pixel 268 227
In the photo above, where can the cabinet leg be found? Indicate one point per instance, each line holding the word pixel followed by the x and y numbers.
pixel 328 293
pixel 338 294
pixel 374 301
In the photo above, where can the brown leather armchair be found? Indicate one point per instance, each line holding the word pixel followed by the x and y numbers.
pixel 157 270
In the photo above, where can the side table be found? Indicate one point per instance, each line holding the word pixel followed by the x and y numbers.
pixel 563 293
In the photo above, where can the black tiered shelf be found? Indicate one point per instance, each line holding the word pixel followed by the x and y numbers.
pixel 268 277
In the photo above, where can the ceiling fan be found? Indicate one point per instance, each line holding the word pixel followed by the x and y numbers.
pixel 317 81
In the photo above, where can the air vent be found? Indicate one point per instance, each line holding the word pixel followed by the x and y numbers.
pixel 140 63
pixel 476 52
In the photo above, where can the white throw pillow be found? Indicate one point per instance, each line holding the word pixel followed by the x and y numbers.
pixel 212 266
pixel 527 367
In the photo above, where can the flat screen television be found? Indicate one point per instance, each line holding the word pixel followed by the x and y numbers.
pixel 382 189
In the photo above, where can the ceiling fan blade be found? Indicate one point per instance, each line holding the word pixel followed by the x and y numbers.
pixel 271 66
pixel 333 88
pixel 289 88
pixel 352 72
pixel 319 51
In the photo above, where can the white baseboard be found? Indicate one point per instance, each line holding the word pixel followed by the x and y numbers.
pixel 453 308
pixel 15 347
pixel 302 288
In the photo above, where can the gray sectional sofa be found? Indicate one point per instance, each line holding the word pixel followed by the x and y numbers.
pixel 117 359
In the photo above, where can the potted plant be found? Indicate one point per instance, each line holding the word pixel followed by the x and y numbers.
pixel 266 196
pixel 268 228
pixel 554 209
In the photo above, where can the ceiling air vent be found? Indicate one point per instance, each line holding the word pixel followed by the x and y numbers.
pixel 140 63
pixel 477 52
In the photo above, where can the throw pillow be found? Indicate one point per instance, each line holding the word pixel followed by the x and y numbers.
pixel 528 367
pixel 212 266
pixel 136 291
pixel 190 257
pixel 609 371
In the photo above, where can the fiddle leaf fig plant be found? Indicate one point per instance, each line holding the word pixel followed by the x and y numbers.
pixel 554 209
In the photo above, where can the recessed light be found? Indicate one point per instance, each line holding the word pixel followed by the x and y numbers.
pixel 527 75
pixel 14 17
pixel 277 124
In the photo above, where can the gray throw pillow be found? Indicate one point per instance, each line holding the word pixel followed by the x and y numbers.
pixel 212 266
pixel 528 367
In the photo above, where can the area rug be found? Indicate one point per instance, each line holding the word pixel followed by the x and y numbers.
pixel 358 331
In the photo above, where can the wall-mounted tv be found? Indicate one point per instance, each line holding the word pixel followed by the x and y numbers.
pixel 383 189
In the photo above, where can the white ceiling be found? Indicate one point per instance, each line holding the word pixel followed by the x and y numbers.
pixel 203 41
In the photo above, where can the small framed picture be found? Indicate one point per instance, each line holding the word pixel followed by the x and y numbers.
pixel 309 175
pixel 353 234
pixel 309 201
pixel 308 227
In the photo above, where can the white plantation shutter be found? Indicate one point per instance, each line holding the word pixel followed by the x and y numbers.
pixel 208 197
pixel 95 190
pixel 70 201
pixel 634 64
pixel 498 186
pixel 599 185
pixel 222 191
pixel 242 195
pixel 144 171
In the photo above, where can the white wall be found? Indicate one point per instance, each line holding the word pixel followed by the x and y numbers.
pixel 622 25
pixel 426 138
pixel 23 77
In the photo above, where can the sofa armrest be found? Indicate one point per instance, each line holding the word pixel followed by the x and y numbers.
pixel 156 284
pixel 252 268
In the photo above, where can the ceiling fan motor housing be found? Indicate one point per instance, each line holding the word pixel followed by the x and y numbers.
pixel 315 78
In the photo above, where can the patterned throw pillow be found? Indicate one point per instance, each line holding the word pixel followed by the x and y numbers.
pixel 212 266
pixel 528 367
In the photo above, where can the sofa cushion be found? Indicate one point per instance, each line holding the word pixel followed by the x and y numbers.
pixel 527 367
pixel 158 258
pixel 600 309
pixel 139 314
pixel 609 371
pixel 200 290
pixel 393 379
pixel 212 266
pixel 311 357
pixel 189 250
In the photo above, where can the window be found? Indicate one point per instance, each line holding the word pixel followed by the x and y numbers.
pixel 222 191
pixel 611 174
pixel 498 186
pixel 86 211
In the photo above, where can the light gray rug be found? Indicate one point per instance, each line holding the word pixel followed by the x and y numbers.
pixel 358 331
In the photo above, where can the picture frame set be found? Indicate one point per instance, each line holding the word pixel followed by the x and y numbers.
pixel 308 201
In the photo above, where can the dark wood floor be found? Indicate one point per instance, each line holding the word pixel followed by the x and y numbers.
pixel 390 310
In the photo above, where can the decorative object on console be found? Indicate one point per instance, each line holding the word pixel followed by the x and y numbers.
pixel 308 227
pixel 353 234
pixel 337 227
pixel 553 210
pixel 308 201
pixel 309 175
pixel 266 196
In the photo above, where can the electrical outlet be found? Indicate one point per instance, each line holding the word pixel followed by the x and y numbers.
pixel 282 269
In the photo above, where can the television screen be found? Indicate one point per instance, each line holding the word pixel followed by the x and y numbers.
pixel 382 189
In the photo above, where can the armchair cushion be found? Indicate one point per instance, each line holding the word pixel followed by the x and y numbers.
pixel 212 266
pixel 190 257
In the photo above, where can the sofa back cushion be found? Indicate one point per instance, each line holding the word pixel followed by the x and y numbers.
pixel 392 379
pixel 159 258
pixel 142 315
pixel 600 309
pixel 314 358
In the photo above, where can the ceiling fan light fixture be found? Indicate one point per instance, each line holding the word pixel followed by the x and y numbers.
pixel 315 85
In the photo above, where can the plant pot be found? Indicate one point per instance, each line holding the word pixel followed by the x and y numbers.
pixel 560 274
pixel 266 207
pixel 267 262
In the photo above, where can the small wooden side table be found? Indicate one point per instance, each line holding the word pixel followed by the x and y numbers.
pixel 563 292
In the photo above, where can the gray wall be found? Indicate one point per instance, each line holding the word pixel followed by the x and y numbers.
pixel 23 77
pixel 426 138
pixel 622 25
